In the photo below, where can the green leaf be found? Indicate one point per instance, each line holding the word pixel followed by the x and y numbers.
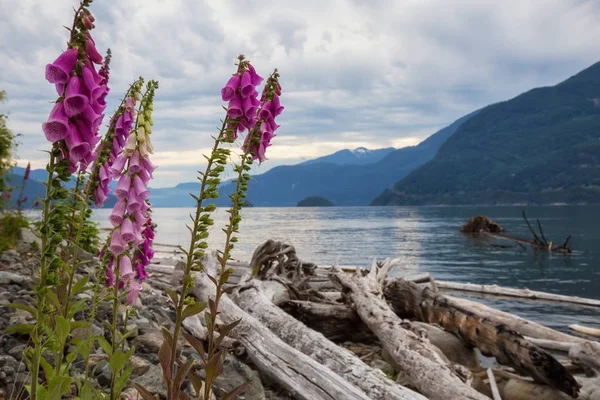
pixel 238 390
pixel 212 367
pixel 77 306
pixel 123 378
pixel 174 297
pixel 25 307
pixel 20 328
pixel 58 385
pixel 80 285
pixel 146 395
pixel 106 347
pixel 196 344
pixel 182 373
pixel 117 361
pixel 48 369
pixel 193 309
pixel 63 328
pixel 164 357
pixel 167 336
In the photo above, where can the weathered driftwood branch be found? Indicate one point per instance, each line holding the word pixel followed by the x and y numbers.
pixel 303 377
pixel 585 330
pixel 518 389
pixel 372 382
pixel 340 322
pixel 493 385
pixel 518 293
pixel 421 367
pixel 491 337
pixel 516 323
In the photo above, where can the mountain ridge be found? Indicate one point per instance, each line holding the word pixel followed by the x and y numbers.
pixel 540 147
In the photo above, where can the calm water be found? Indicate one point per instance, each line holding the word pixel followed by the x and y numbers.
pixel 427 239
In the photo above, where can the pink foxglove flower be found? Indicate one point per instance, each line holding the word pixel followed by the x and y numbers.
pixel 60 70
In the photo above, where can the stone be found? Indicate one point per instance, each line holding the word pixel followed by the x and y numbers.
pixel 17 351
pixel 140 366
pixel 7 278
pixel 103 374
pixel 148 342
pixel 9 256
pixel 20 317
pixel 153 381
pixel 29 237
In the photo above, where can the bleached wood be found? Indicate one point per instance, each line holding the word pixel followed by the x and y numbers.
pixel 294 371
pixel 493 385
pixel 586 330
pixel 490 336
pixel 420 365
pixel 257 298
pixel 517 293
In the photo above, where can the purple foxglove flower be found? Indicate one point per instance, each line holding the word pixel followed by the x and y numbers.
pixel 92 52
pixel 103 175
pixel 134 164
pixel 246 85
pixel 93 120
pixel 116 216
pixel 116 246
pixel 99 196
pixel 122 190
pixel 145 176
pixel 117 167
pixel 110 273
pixel 148 166
pixel 273 125
pixel 254 77
pixel 234 110
pixel 97 107
pixel 230 89
pixel 60 70
pixel 125 270
pixel 246 123
pixel 127 233
pixel 95 90
pixel 27 171
pixel 140 216
pixel 87 160
pixel 133 203
pixel 140 188
pixel 276 107
pixel 134 291
pixel 75 101
pixel 264 111
pixel 86 133
pixel 57 127
pixel 249 107
pixel 78 148
pixel 140 270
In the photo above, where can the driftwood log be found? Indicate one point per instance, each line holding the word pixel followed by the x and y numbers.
pixel 303 377
pixel 517 293
pixel 491 337
pixel 252 299
pixel 421 367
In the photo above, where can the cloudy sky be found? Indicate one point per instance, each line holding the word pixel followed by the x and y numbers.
pixel 373 73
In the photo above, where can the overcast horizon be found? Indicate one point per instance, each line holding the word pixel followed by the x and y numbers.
pixel 354 73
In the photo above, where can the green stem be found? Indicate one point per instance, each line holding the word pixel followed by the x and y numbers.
pixel 190 260
pixel 231 228
pixel 115 309
pixel 37 352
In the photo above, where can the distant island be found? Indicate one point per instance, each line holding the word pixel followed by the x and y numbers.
pixel 315 201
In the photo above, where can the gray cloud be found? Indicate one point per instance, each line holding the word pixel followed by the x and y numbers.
pixel 354 72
